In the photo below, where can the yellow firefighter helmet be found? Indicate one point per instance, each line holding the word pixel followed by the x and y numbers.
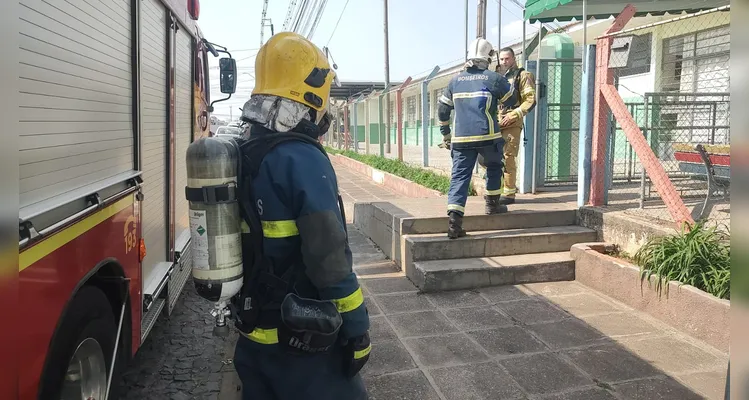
pixel 292 67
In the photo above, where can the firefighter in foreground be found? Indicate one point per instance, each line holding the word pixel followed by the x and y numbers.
pixel 303 320
pixel 474 94
pixel 511 118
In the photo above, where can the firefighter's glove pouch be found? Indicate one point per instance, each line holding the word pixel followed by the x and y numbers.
pixel 356 355
pixel 308 326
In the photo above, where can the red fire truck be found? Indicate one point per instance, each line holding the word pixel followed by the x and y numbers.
pixel 111 93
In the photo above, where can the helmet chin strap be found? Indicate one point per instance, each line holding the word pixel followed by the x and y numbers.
pixel 312 129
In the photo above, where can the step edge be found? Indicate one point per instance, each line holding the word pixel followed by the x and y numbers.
pixel 419 237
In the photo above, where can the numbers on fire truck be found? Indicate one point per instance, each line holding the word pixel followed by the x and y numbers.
pixel 130 236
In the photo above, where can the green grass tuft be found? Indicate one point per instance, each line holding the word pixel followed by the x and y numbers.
pixel 421 176
pixel 700 257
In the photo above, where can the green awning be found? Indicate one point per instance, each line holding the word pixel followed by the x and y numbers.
pixel 567 10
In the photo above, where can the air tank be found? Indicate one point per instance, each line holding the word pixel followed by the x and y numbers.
pixel 215 222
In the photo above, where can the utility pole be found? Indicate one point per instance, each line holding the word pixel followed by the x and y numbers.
pixel 481 20
pixel 499 27
pixel 465 40
pixel 387 82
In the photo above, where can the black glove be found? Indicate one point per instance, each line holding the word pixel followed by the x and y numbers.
pixel 445 130
pixel 446 141
pixel 356 354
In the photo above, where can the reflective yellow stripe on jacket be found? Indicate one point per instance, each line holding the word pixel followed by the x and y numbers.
pixel 280 229
pixel 362 353
pixel 350 302
pixel 264 336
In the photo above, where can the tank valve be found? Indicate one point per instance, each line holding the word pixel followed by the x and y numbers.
pixel 221 312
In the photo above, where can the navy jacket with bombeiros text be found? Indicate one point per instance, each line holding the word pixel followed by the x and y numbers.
pixel 296 197
pixel 475 94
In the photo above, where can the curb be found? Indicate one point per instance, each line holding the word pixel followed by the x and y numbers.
pixel 686 308
pixel 395 183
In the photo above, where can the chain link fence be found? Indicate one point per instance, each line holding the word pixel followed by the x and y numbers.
pixel 560 82
pixel 367 127
pixel 674 79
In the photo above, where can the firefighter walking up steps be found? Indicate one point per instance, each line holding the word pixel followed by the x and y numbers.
pixel 301 313
pixel 511 118
pixel 475 95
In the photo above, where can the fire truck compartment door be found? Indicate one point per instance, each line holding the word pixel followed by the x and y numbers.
pixel 154 105
pixel 75 97
pixel 183 135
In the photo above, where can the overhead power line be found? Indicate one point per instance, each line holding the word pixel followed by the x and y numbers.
pixel 315 24
pixel 336 24
pixel 289 13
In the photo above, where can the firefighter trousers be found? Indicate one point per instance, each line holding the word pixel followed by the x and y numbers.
pixel 464 160
pixel 511 135
pixel 268 372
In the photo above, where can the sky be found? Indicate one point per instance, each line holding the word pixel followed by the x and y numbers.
pixel 423 33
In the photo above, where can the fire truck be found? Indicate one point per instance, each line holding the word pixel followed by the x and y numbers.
pixel 111 93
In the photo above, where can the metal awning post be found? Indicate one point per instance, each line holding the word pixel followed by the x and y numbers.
pixel 585 34
pixel 356 126
pixel 425 116
pixel 380 125
pixel 399 116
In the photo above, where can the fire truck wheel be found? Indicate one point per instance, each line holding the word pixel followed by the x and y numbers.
pixel 81 353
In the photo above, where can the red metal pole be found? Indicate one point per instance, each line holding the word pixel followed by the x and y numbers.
pixel 604 76
pixel 650 162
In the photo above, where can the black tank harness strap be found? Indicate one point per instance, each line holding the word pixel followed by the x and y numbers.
pixel 264 289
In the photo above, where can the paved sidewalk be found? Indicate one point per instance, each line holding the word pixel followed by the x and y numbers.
pixel 538 341
pixel 356 188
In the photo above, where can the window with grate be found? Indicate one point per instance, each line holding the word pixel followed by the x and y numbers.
pixel 697 62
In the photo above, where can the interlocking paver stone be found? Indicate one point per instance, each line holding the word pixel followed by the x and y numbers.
pixel 461 298
pixel 673 355
pixel 388 285
pixel 585 394
pixel 403 302
pixel 508 340
pixel 423 323
pixel 496 294
pixel 657 388
pixel 477 317
pixel 410 385
pixel 620 324
pixel 581 304
pixel 532 312
pixel 567 333
pixel 476 382
pixel 543 373
pixel 380 330
pixel 611 363
pixel 388 356
pixel 372 307
pixel 443 350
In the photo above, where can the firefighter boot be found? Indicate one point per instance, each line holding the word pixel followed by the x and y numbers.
pixel 507 199
pixel 494 205
pixel 455 226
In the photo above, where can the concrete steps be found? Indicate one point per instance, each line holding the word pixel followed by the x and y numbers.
pixel 521 246
pixel 479 223
pixel 506 242
pixel 469 273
